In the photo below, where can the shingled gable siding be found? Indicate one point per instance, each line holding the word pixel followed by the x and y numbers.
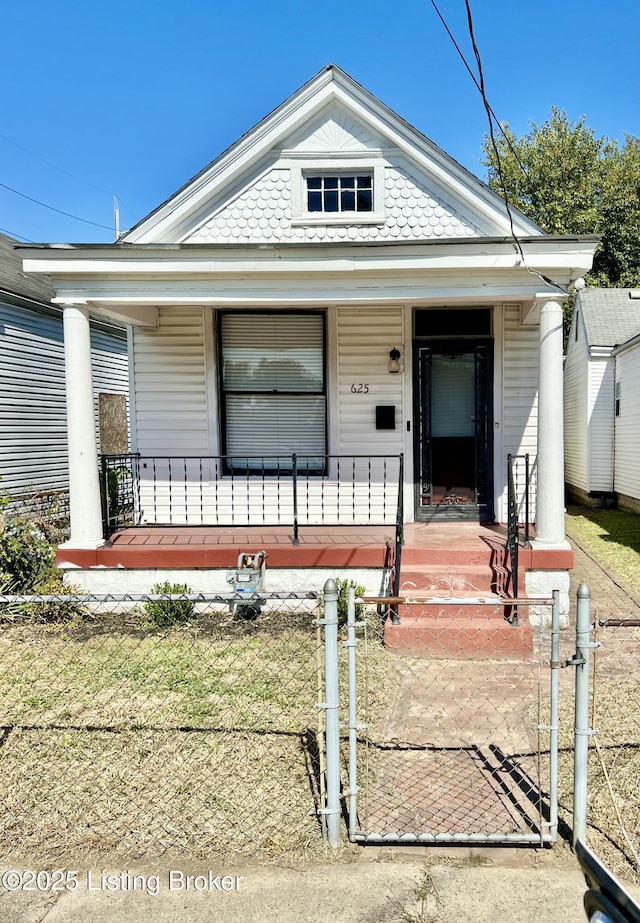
pixel 627 430
pixel 576 413
pixel 520 392
pixel 33 422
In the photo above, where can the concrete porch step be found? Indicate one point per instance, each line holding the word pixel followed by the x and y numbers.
pixel 450 637
pixel 455 581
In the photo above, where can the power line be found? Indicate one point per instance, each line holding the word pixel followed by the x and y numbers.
pixel 55 166
pixel 481 87
pixel 51 208
pixel 473 77
pixel 66 172
pixel 19 236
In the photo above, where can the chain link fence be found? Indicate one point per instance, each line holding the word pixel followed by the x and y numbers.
pixel 464 751
pixel 613 807
pixel 143 725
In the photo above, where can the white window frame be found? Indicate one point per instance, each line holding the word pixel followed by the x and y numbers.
pixel 300 216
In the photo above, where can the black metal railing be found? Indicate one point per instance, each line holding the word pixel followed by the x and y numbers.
pixel 223 490
pixel 518 514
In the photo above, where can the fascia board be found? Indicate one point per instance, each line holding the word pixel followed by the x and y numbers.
pixel 570 258
pixel 434 288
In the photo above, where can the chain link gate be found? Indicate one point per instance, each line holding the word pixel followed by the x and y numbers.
pixel 453 721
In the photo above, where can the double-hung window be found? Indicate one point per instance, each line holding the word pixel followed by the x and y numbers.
pixel 273 390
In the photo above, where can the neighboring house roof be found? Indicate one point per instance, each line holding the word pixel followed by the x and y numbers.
pixel 14 281
pixel 611 315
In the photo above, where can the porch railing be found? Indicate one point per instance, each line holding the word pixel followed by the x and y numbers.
pixel 518 514
pixel 223 490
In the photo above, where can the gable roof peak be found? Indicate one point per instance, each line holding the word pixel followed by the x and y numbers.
pixel 330 86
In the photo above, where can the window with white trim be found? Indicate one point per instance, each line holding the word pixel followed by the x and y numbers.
pixel 340 193
pixel 273 390
pixel 333 191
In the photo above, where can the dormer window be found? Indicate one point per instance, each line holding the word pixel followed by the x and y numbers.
pixel 332 194
pixel 337 191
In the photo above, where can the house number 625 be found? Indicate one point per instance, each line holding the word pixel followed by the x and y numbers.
pixel 360 389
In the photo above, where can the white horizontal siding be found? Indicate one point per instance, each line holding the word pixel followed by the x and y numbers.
pixel 627 425
pixel 601 414
pixel 520 362
pixel 170 384
pixel 33 421
pixel 365 338
pixel 172 420
pixel 576 413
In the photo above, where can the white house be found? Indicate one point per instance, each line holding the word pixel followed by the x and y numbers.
pixel 33 417
pixel 336 287
pixel 601 425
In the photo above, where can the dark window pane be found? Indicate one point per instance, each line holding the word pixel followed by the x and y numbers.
pixel 347 182
pixel 460 322
pixel 364 200
pixel 331 182
pixel 364 182
pixel 348 200
pixel 314 182
pixel 331 201
pixel 314 201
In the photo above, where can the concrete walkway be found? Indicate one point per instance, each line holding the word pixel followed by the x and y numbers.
pixel 379 888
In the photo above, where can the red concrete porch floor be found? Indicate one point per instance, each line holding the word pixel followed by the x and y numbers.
pixel 426 544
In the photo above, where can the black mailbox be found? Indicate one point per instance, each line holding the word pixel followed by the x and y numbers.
pixel 385 417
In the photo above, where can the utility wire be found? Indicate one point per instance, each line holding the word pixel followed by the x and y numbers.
pixel 55 166
pixel 473 77
pixel 19 236
pixel 51 208
pixel 66 172
pixel 487 107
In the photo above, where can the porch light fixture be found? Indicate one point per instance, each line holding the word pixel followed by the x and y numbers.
pixel 394 361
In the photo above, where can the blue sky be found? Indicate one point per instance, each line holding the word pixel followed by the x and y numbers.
pixel 136 97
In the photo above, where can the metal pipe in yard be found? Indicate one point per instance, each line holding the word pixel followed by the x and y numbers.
pixel 353 718
pixel 331 704
pixel 582 730
pixel 554 716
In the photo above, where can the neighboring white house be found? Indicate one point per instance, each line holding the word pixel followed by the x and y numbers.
pixel 601 385
pixel 34 467
pixel 333 285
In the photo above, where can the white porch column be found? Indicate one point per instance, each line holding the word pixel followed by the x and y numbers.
pixel 550 491
pixel 84 485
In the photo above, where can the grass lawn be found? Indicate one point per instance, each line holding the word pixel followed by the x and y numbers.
pixel 612 537
pixel 124 739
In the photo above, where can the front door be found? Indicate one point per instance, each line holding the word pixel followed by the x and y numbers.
pixel 453 440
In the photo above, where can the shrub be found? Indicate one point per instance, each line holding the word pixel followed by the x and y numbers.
pixel 26 556
pixel 167 612
pixel 27 567
pixel 343 590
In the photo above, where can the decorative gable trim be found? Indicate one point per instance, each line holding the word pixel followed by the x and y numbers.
pixel 175 219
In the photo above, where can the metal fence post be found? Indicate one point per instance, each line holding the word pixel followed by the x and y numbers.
pixel 582 730
pixel 353 717
pixel 554 715
pixel 331 704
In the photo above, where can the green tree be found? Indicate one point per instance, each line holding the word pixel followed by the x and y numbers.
pixel 571 182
